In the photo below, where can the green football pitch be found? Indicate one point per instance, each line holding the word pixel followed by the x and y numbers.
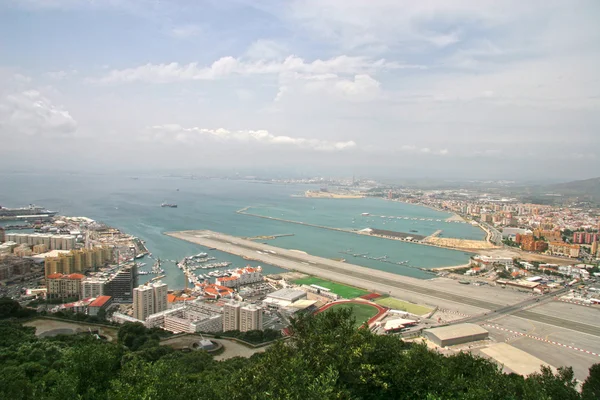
pixel 362 312
pixel 347 292
pixel 403 305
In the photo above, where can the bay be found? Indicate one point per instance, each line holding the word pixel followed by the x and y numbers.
pixel 132 204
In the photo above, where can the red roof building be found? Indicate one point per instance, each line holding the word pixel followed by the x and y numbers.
pixel 101 303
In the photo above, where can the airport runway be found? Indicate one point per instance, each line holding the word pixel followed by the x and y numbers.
pixel 348 273
pixel 323 267
pixel 563 323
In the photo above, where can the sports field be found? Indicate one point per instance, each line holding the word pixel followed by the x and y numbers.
pixel 347 292
pixel 362 312
pixel 403 305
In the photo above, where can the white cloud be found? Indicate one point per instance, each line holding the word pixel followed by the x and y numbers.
pixel 227 66
pixel 60 75
pixel 185 31
pixel 444 40
pixel 170 133
pixel 409 148
pixel 32 114
pixel 362 86
pixel 264 49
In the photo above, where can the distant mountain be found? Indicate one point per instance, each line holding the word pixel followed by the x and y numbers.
pixel 588 188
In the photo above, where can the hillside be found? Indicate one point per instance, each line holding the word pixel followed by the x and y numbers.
pixel 588 188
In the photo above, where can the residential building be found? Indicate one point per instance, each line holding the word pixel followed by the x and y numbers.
pixel 92 287
pixel 242 317
pixel 40 248
pixel 160 291
pixel 79 260
pixel 193 316
pixel 241 276
pixel 120 285
pixel 585 237
pixel 231 316
pixel 60 286
pixel 548 235
pixel 143 303
pixel 251 318
pixel 53 242
pixel 11 266
pixel 564 249
pixel 148 299
pixel 22 251
pixel 529 243
pixel 2 235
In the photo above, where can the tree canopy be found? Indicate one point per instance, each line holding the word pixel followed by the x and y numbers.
pixel 326 358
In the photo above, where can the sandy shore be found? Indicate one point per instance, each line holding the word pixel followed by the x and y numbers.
pixel 327 195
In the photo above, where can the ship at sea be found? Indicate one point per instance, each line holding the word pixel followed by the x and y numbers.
pixel 28 212
pixel 170 205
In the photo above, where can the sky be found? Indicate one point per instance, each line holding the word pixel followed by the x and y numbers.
pixel 499 89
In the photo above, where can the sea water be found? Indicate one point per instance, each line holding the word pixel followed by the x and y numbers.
pixel 132 204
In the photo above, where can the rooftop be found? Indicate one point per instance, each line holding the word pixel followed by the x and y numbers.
pixel 455 331
pixel 287 294
pixel 100 301
pixel 303 304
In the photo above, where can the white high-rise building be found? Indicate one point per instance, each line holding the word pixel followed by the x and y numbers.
pixel 251 318
pixel 92 287
pixel 242 317
pixel 159 296
pixel 143 302
pixel 231 316
pixel 149 299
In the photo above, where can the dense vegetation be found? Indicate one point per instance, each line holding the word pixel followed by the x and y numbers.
pixel 255 337
pixel 327 358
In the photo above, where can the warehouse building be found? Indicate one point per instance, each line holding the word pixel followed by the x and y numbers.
pixel 284 297
pixel 456 334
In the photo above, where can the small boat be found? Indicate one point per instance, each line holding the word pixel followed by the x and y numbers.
pixel 169 205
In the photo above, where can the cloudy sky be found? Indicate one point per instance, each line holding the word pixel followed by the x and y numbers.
pixel 463 88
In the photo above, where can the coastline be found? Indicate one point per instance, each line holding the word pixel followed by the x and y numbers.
pixel 453 217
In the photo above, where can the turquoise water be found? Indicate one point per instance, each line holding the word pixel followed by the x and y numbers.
pixel 134 207
pixel 389 215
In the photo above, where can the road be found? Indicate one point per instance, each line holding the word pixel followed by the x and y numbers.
pixel 518 310
pixel 563 323
pixel 349 274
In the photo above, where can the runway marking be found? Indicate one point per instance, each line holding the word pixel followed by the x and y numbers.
pixel 543 340
pixel 575 302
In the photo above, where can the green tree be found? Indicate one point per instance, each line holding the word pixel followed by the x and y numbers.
pixel 591 387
